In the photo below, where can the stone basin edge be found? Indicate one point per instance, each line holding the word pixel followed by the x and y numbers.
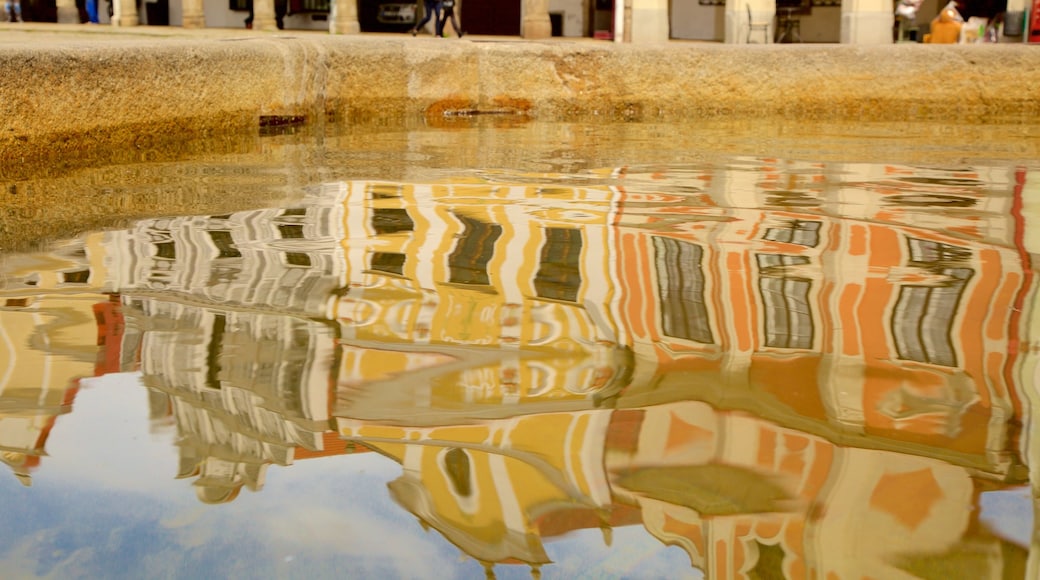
pixel 59 98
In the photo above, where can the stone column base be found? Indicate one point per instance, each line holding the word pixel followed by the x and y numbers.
pixel 867 27
pixel 536 27
pixel 343 19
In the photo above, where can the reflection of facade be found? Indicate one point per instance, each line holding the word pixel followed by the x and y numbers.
pixel 244 389
pixel 279 259
pixel 742 496
pixel 233 358
pixel 51 316
pixel 501 304
pixel 483 486
pixel 863 327
pixel 897 340
pixel 755 495
pixel 546 359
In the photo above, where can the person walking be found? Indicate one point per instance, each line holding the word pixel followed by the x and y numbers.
pixel 92 12
pixel 13 10
pixel 431 9
pixel 449 11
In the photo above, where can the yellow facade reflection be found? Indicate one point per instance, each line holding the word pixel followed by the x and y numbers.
pixel 51 336
pixel 741 364
pixel 498 301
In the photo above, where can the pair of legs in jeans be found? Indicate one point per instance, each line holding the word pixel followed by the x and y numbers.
pixel 13 10
pixel 431 9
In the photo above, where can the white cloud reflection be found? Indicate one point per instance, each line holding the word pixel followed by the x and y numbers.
pixel 105 504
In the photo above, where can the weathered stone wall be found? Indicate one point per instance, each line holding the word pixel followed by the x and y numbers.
pixel 58 96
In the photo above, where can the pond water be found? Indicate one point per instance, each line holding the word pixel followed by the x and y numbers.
pixel 491 347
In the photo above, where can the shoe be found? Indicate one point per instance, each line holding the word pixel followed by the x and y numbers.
pixel 414 32
pixel 461 34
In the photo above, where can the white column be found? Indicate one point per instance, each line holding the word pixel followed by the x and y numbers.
pixel 67 12
pixel 343 19
pixel 535 22
pixel 263 15
pixel 124 13
pixel 192 14
pixel 736 27
pixel 649 21
pixel 867 21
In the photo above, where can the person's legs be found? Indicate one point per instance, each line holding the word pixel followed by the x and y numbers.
pixel 455 24
pixel 92 14
pixel 430 9
pixel 444 18
pixel 280 8
pixel 438 24
pixel 449 12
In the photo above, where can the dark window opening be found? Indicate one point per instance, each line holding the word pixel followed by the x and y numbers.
pixel 923 318
pixel 467 264
pixel 290 231
pixel 559 271
pixel 802 233
pixel 225 245
pixel 457 463
pixel 166 250
pixel 389 262
pixel 391 221
pixel 922 321
pixel 297 259
pixel 770 564
pixel 684 313
pixel 77 277
pixel 213 350
pixel 785 299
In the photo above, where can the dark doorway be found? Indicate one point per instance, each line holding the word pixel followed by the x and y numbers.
pixel 491 17
pixel 157 12
pixel 556 21
pixel 38 11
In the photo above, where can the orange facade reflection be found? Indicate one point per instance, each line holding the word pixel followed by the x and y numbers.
pixel 741 360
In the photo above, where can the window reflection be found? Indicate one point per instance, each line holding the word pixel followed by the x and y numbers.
pixel 224 244
pixel 291 231
pixel 476 245
pixel 788 314
pixel 456 462
pixel 214 350
pixel 388 262
pixel 391 220
pixel 297 259
pixel 77 277
pixel 684 313
pixel 559 270
pixel 802 233
pixel 922 321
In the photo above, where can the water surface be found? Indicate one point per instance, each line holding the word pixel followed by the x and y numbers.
pixel 495 347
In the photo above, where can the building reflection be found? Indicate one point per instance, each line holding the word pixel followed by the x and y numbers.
pixel 50 312
pixel 742 366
